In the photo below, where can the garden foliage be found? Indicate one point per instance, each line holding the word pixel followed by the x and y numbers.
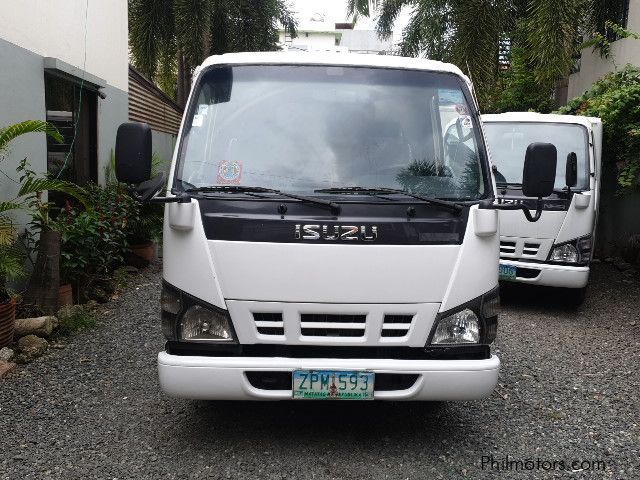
pixel 616 100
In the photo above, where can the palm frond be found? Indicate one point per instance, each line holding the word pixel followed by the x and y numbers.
pixel 355 8
pixel 287 19
pixel 28 126
pixel 389 11
pixel 6 206
pixel 33 185
pixel 192 29
pixel 7 230
pixel 11 264
pixel 151 33
pixel 552 28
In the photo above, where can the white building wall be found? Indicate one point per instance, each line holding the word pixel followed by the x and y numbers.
pixel 593 67
pixel 364 41
pixel 55 28
pixel 31 30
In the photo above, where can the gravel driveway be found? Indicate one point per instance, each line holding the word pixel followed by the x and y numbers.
pixel 568 390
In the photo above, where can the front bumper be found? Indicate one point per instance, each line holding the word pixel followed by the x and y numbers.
pixel 549 275
pixel 224 378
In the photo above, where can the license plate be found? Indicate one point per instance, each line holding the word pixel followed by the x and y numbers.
pixel 333 385
pixel 506 272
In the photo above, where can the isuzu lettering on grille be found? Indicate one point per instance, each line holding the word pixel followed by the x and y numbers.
pixel 336 232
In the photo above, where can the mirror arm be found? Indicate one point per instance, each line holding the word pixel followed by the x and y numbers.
pixel 181 198
pixel 532 218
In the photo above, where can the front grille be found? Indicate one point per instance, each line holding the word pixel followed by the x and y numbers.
pixel 530 249
pixel 384 382
pixel 396 325
pixel 332 325
pixel 508 248
pixel 269 323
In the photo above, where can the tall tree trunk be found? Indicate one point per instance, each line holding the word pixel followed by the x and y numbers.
pixel 45 279
pixel 181 94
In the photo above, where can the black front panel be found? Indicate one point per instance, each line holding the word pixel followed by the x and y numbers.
pixel 437 352
pixel 555 202
pixel 378 223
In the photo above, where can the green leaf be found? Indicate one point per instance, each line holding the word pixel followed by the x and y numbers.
pixel 29 126
pixel 36 185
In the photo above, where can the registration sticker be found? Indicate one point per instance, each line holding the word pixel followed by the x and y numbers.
pixel 229 172
pixel 198 119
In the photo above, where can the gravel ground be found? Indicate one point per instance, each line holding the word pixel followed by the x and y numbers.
pixel 568 390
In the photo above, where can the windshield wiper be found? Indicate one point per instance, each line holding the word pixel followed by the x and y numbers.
pixel 453 206
pixel 334 207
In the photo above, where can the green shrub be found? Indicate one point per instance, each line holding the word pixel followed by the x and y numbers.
pixel 75 318
pixel 94 241
pixel 616 100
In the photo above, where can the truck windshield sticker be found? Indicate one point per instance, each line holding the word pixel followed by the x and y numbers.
pixel 229 172
pixel 197 120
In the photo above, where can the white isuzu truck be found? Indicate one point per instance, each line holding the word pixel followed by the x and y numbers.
pixel 557 250
pixel 323 237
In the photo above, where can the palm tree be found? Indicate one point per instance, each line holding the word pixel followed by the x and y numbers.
pixel 170 37
pixel 28 198
pixel 471 33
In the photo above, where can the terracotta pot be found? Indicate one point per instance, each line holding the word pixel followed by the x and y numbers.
pixel 7 322
pixel 145 251
pixel 65 295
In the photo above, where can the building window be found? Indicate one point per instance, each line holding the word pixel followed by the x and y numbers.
pixel 75 116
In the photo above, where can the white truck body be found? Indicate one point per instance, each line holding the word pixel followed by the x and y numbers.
pixel 291 255
pixel 568 216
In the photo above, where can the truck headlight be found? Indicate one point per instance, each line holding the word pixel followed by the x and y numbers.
pixel 474 322
pixel 461 327
pixel 202 323
pixel 566 253
pixel 186 318
pixel 576 251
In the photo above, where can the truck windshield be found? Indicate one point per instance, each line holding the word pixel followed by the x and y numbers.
pixel 508 142
pixel 306 128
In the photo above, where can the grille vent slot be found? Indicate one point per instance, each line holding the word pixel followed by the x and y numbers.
pixel 507 247
pixel 331 325
pixel 396 325
pixel 530 249
pixel 268 323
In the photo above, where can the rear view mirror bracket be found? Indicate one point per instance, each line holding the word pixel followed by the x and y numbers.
pixel 518 206
pixel 146 191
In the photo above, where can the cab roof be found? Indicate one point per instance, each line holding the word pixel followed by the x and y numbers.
pixel 328 58
pixel 532 117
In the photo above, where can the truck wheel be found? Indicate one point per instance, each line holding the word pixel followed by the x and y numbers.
pixel 575 296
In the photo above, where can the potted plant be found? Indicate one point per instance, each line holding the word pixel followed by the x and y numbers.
pixel 94 241
pixel 145 226
pixel 144 229
pixel 43 289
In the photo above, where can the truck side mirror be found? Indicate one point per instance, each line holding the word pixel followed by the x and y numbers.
pixel 133 153
pixel 571 173
pixel 539 172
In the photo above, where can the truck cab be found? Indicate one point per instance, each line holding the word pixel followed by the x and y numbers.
pixel 557 250
pixel 322 238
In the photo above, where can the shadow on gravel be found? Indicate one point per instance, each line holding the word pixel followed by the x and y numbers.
pixel 533 297
pixel 322 419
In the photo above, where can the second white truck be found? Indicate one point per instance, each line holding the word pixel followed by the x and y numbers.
pixel 555 251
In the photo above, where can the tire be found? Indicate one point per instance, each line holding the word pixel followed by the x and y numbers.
pixel 575 296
